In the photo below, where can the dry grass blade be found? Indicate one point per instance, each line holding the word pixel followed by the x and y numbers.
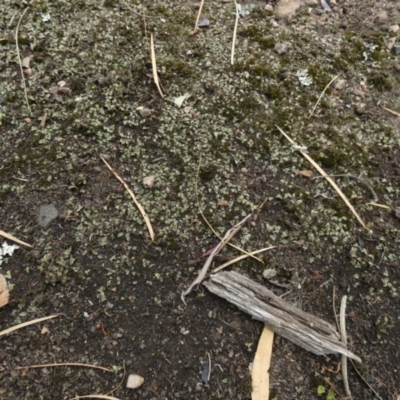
pixel 323 92
pixel 343 336
pixel 196 28
pixel 378 205
pixel 65 365
pixel 119 384
pixel 154 65
pixel 138 205
pixel 391 111
pixel 228 236
pixel 210 226
pixel 234 33
pixel 328 178
pixel 95 396
pixel 14 239
pixel 261 364
pixel 24 324
pixel 241 258
pixel 19 58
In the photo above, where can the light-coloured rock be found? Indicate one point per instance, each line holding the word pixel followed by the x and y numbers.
pixel 394 28
pixel 149 181
pixel 269 273
pixel 340 84
pixel 134 381
pixel 268 7
pixel 282 47
pixel 287 8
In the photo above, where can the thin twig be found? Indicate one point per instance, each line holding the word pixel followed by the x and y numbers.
pixel 138 205
pixel 343 336
pixel 241 258
pixel 95 396
pixel 330 180
pixel 375 196
pixel 234 33
pixel 379 205
pixel 13 238
pixel 323 92
pixel 120 384
pixel 391 111
pixel 65 365
pixel 24 324
pixel 352 362
pixel 19 58
pixel 196 28
pixel 154 65
pixel 210 226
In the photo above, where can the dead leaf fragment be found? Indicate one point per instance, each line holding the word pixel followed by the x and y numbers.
pixel 223 203
pixel 44 330
pixel 134 381
pixel 4 293
pixel 25 62
pixel 149 181
pixel 307 173
pixel 261 364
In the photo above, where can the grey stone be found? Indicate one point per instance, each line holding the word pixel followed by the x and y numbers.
pixel 47 213
pixel 396 49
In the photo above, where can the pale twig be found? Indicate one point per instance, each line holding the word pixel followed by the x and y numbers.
pixel 374 195
pixel 196 28
pixel 95 396
pixel 352 362
pixel 234 33
pixel 65 365
pixel 120 384
pixel 241 258
pixel 228 236
pixel 323 92
pixel 330 180
pixel 154 65
pixel 19 58
pixel 24 324
pixel 138 205
pixel 210 226
pixel 343 335
pixel 14 239
pixel 391 111
pixel 379 205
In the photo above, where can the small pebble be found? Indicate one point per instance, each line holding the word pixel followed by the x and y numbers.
pixel 394 28
pixel 134 381
pixel 396 49
pixel 149 181
pixel 204 22
pixel 268 7
pixel 47 213
pixel 269 273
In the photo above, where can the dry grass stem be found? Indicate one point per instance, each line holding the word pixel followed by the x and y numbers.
pixel 19 58
pixel 328 178
pixel 138 205
pixel 24 324
pixel 323 92
pixel 234 33
pixel 391 111
pixel 379 205
pixel 14 239
pixel 228 236
pixel 95 396
pixel 154 65
pixel 210 226
pixel 343 335
pixel 241 258
pixel 65 365
pixel 119 384
pixel 196 28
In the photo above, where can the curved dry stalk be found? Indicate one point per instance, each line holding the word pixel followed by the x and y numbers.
pixel 323 92
pixel 65 365
pixel 228 236
pixel 154 65
pixel 24 324
pixel 343 335
pixel 95 396
pixel 138 205
pixel 241 258
pixel 19 57
pixel 234 33
pixel 196 28
pixel 328 178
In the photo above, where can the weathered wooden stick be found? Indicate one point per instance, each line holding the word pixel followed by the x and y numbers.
pixel 307 331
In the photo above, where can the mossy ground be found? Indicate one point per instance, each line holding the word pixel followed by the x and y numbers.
pixel 119 292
